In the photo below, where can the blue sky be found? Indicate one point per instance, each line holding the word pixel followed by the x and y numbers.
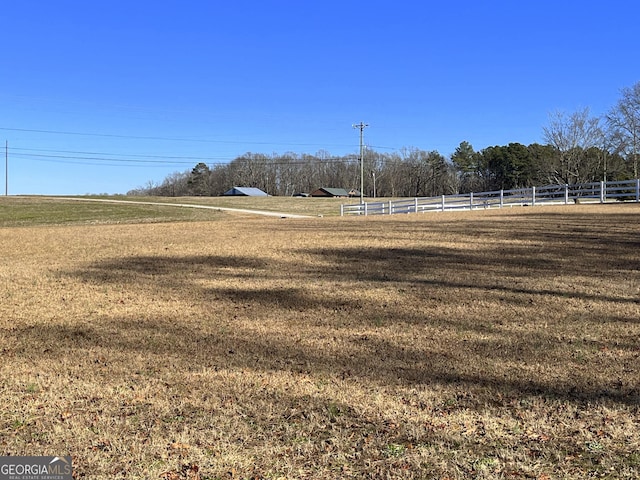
pixel 106 96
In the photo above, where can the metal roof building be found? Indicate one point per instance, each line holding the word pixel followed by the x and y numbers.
pixel 246 192
pixel 330 192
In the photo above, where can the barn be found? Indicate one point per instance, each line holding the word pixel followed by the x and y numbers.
pixel 330 192
pixel 246 192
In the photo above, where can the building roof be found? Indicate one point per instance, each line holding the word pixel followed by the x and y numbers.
pixel 334 192
pixel 246 191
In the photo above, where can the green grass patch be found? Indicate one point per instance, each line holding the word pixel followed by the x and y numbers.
pixel 33 211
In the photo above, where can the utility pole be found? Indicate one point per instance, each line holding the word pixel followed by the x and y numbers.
pixel 373 174
pixel 361 126
pixel 6 168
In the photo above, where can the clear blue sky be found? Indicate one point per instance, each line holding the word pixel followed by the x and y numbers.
pixel 134 83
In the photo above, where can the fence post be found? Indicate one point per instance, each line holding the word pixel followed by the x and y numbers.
pixel 365 208
pixel 566 194
pixel 602 193
pixel 638 190
pixel 501 198
pixel 415 204
pixel 390 207
pixel 533 196
pixel 443 197
pixel 342 210
pixel 471 201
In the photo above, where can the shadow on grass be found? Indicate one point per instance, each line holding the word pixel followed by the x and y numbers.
pixel 492 270
pixel 123 268
pixel 487 271
pixel 490 358
pixel 484 368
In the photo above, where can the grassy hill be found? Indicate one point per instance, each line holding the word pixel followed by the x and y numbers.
pixel 24 211
pixel 488 344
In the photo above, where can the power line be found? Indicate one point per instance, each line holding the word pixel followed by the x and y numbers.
pixel 170 139
pixel 173 157
pixel 123 162
pixel 73 162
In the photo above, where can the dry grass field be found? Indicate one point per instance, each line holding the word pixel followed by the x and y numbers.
pixel 484 345
pixel 313 206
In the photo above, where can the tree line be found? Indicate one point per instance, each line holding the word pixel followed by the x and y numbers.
pixel 578 148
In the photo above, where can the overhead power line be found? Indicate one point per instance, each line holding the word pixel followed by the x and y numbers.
pixel 170 139
pixel 140 155
pixel 128 162
pixel 122 160
pixel 101 164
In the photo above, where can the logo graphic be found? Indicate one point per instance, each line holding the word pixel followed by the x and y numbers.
pixel 36 468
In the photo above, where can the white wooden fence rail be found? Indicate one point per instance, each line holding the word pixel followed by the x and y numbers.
pixel 627 190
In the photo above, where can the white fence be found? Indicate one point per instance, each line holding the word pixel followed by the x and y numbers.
pixel 628 190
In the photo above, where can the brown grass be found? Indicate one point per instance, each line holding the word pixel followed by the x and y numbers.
pixel 312 206
pixel 496 344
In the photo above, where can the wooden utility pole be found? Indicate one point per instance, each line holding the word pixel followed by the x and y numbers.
pixel 6 168
pixel 361 126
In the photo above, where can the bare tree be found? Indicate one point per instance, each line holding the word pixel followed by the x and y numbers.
pixel 572 135
pixel 391 181
pixel 624 121
pixel 175 184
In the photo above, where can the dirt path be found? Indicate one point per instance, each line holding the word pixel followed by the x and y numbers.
pixel 192 205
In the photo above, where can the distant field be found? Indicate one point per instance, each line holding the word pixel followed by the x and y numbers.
pixel 298 205
pixel 499 344
pixel 29 211
pixel 17 211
